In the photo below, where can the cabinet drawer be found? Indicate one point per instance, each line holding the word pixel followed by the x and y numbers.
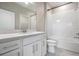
pixel 12 53
pixel 31 39
pixel 4 47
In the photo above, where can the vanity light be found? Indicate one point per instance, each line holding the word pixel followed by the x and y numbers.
pixel 58 21
pixel 28 2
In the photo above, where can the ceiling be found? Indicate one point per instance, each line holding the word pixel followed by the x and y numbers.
pixel 27 8
pixel 31 6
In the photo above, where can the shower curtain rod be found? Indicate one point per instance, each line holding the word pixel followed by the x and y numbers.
pixel 58 6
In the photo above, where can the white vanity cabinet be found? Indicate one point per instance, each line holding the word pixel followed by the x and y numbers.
pixel 11 48
pixel 35 45
pixel 32 46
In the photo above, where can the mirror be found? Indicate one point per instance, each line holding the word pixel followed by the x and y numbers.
pixel 7 20
pixel 17 16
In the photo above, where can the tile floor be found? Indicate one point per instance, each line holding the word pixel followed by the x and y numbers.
pixel 63 52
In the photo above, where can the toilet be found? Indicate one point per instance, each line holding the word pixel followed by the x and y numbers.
pixel 51 45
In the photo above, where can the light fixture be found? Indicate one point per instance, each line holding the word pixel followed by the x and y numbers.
pixel 28 2
pixel 58 21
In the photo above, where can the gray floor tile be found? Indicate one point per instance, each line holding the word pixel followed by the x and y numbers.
pixel 63 52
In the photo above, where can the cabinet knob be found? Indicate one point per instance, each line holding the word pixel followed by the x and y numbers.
pixel 18 53
pixel 33 49
pixel 36 47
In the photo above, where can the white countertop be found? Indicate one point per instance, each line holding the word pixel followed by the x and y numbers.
pixel 14 35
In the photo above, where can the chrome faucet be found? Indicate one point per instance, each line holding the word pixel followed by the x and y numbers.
pixel 24 28
pixel 77 34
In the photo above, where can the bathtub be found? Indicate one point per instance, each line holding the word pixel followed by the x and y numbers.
pixel 69 43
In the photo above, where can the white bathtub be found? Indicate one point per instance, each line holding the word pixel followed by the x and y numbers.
pixel 68 43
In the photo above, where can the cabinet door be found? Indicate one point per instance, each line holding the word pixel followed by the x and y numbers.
pixel 28 50
pixel 12 53
pixel 37 50
pixel 44 47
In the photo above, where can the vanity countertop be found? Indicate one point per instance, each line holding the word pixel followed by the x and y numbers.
pixel 17 35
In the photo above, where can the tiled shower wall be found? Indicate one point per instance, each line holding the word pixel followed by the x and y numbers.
pixel 63 21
